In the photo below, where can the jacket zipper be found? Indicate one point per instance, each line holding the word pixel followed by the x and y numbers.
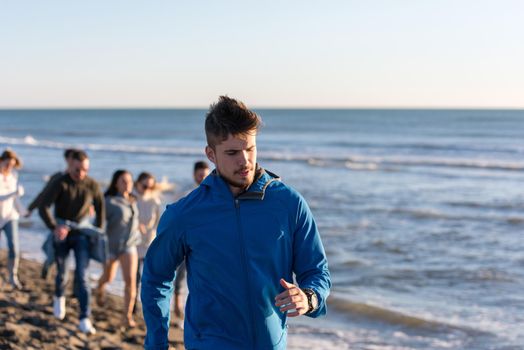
pixel 245 268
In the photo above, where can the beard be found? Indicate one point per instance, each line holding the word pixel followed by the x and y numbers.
pixel 244 184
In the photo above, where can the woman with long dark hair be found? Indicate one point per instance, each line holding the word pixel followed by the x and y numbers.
pixel 123 235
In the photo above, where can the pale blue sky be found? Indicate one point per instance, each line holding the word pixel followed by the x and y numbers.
pixel 441 53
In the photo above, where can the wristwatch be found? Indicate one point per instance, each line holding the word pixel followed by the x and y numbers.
pixel 312 299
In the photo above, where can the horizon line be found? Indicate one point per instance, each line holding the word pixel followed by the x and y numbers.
pixel 6 108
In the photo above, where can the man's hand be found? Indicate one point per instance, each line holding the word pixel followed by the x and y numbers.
pixel 293 298
pixel 61 232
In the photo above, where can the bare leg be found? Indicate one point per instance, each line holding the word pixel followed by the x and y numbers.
pixel 129 262
pixel 110 269
pixel 178 306
pixel 180 280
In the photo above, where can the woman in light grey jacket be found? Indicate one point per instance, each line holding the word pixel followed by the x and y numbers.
pixel 123 235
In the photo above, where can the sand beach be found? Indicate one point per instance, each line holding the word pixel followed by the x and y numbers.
pixel 27 321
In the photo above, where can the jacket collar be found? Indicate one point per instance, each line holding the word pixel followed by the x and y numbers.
pixel 256 191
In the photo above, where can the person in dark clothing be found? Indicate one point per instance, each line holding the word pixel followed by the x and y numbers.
pixel 68 156
pixel 72 195
pixel 68 153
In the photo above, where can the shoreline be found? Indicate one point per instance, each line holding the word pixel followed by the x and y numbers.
pixel 27 320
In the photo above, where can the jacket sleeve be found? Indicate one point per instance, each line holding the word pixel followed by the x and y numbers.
pixel 109 215
pixel 309 258
pixel 20 207
pixel 157 215
pixel 5 197
pixel 165 253
pixel 99 204
pixel 36 202
pixel 48 199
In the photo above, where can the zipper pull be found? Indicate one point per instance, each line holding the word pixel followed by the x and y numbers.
pixel 237 203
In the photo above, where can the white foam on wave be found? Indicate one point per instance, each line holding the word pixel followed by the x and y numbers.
pixel 121 148
pixel 30 140
pixel 455 162
pixel 302 338
pixel 349 161
pixel 361 166
pixel 364 338
pixel 433 214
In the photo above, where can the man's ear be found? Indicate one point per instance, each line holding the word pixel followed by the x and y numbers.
pixel 210 153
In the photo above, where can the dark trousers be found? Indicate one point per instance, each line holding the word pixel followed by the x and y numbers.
pixel 80 245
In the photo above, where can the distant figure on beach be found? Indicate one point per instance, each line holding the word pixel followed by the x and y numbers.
pixel 243 234
pixel 123 235
pixel 10 210
pixel 200 171
pixel 72 195
pixel 148 205
pixel 68 153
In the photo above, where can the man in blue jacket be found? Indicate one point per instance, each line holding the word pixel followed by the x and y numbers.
pixel 243 235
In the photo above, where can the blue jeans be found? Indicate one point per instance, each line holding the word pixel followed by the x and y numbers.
pixel 11 233
pixel 80 245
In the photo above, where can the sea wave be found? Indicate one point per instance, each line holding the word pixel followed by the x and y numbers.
pixel 120 148
pixel 394 317
pixel 435 146
pixel 352 162
pixel 373 163
pixel 480 205
pixel 433 214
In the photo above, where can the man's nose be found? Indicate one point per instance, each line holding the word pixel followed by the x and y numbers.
pixel 243 158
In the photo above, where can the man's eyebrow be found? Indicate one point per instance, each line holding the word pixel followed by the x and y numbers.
pixel 240 149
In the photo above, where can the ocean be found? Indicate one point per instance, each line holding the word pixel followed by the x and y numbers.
pixel 421 211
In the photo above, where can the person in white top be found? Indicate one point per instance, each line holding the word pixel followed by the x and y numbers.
pixel 10 210
pixel 148 204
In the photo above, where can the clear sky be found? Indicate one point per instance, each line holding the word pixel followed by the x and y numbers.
pixel 376 53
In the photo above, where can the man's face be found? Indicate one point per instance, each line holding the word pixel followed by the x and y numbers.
pixel 69 163
pixel 235 160
pixel 79 169
pixel 200 174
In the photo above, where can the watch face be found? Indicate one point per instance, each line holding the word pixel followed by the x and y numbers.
pixel 314 301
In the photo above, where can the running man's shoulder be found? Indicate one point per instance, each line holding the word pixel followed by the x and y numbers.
pixel 284 192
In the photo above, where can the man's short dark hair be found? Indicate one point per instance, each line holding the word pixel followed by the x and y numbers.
pixel 200 165
pixel 229 117
pixel 69 152
pixel 79 155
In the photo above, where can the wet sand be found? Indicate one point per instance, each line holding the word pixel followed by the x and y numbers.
pixel 27 321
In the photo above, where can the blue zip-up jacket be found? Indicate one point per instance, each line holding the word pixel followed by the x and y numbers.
pixel 236 250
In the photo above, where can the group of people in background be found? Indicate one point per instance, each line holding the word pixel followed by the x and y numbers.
pixel 122 220
pixel 250 243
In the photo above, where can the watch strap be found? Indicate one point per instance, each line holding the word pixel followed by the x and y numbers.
pixel 310 294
